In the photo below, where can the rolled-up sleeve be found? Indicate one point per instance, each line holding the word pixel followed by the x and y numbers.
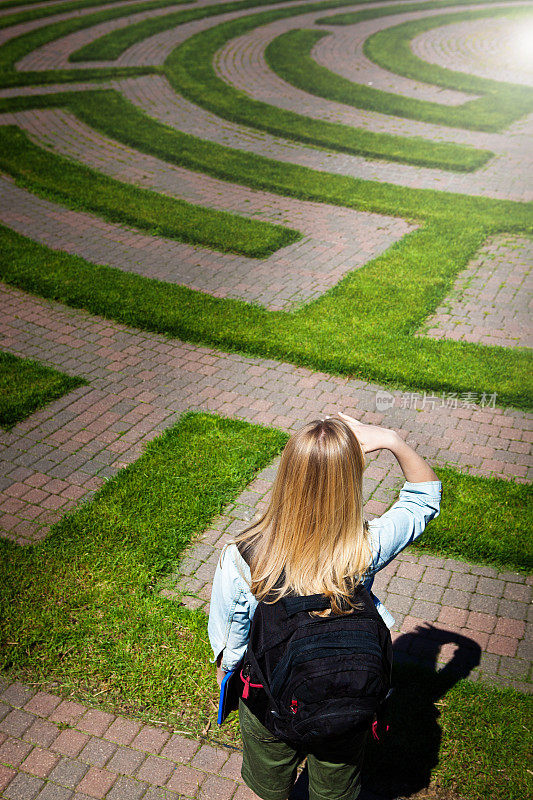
pixel 404 522
pixel 231 611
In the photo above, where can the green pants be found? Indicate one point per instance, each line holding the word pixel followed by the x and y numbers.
pixel 269 765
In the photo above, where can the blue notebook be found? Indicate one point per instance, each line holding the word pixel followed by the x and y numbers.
pixel 230 692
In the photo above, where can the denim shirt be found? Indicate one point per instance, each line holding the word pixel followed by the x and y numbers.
pixel 233 604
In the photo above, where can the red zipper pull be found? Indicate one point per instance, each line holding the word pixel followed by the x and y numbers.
pixel 294 705
pixel 246 690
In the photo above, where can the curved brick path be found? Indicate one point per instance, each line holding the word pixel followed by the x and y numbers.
pixel 342 53
pixel 62 454
pixel 85 437
pixel 25 27
pixel 498 49
pixel 335 239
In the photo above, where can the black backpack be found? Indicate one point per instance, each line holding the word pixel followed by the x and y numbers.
pixel 310 678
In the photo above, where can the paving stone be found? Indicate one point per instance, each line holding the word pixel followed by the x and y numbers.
pixel 180 749
pixel 490 586
pixel 463 581
pixel 502 645
pixel 126 761
pixel 13 752
pixel 17 694
pixel 51 791
pixel 483 603
pixel 155 770
pixel 428 591
pixel 214 788
pixel 481 622
pixel 456 598
pixel 516 591
pixel 98 751
pixel 513 609
pixel 210 759
pixel 39 762
pixel 122 730
pixel 425 610
pixel 96 782
pixel 68 712
pixel 42 704
pixel 6 775
pixel 95 721
pixel 525 650
pixel 16 723
pixel 42 732
pixel 23 787
pixel 68 772
pixel 186 780
pixel 70 742
pixel 150 739
pixel 232 767
pixel 514 668
pixel 161 793
pixel 453 616
pixel 437 576
pixel 127 789
pixel 402 586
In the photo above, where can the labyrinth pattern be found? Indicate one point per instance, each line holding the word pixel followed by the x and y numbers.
pixel 334 199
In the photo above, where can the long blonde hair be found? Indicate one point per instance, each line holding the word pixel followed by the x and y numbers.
pixel 312 539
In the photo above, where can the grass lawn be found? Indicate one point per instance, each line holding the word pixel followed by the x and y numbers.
pixel 81 188
pixel 80 609
pixel 484 520
pixel 190 70
pixel 15 49
pixel 26 386
pixel 289 55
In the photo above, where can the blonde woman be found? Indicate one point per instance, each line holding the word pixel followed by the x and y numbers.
pixel 313 539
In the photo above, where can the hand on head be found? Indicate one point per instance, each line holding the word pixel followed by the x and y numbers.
pixel 370 437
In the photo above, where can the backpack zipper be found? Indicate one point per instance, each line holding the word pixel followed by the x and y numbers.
pixel 245 677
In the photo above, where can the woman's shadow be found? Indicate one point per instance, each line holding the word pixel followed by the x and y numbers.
pixel 401 762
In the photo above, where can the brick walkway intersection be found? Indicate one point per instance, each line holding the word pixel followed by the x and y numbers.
pixel 446 610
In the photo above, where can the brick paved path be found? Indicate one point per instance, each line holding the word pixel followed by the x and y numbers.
pixel 498 50
pixel 54 749
pixel 64 451
pixel 504 177
pixel 140 383
pixel 491 300
pixel 335 239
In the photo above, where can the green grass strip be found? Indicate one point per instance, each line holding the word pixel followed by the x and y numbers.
pixel 74 4
pixel 26 386
pixel 112 45
pixel 484 520
pixel 20 46
pixel 190 70
pixel 501 104
pixel 363 327
pixel 62 8
pixel 80 609
pixel 289 55
pixel 352 329
pixel 80 606
pixel 403 61
pixel 82 188
pixel 15 49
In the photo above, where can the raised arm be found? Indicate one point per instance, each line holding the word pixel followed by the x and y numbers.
pixel 419 500
pixel 374 437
